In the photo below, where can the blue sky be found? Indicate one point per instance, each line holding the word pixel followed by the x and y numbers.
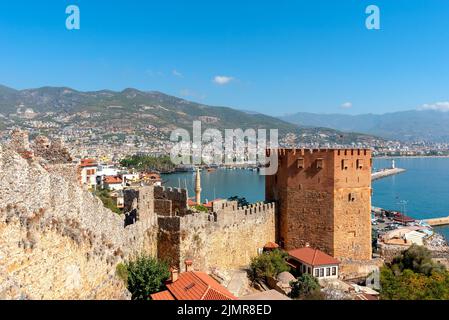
pixel 274 57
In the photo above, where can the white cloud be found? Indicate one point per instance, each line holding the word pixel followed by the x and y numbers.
pixel 176 73
pixel 438 106
pixel 222 80
pixel 346 105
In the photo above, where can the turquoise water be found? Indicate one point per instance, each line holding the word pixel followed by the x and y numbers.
pixel 221 184
pixel 425 186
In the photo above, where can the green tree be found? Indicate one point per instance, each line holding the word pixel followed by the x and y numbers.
pixel 242 202
pixel 306 287
pixel 201 208
pixel 268 264
pixel 145 275
pixel 148 163
pixel 414 276
pixel 418 259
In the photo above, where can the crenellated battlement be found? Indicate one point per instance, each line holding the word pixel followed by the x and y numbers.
pixel 304 151
pixel 230 214
pixel 177 194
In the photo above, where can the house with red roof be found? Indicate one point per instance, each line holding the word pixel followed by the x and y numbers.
pixel 113 183
pixel 314 262
pixel 192 285
pixel 88 169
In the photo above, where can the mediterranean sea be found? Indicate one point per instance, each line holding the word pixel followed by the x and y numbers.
pixel 423 188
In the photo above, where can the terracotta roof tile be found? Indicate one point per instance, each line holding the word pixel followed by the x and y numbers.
pixel 313 257
pixel 198 286
pixel 88 163
pixel 163 295
pixel 112 180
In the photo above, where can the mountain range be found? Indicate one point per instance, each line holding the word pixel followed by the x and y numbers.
pixel 136 110
pixel 413 125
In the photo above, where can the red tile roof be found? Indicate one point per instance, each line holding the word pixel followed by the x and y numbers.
pixel 112 180
pixel 163 295
pixel 191 203
pixel 313 257
pixel 196 285
pixel 88 163
pixel 210 203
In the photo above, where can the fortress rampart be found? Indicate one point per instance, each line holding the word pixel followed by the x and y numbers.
pixel 57 241
pixel 228 236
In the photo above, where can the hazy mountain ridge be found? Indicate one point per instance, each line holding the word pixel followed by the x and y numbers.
pixel 137 109
pixel 430 125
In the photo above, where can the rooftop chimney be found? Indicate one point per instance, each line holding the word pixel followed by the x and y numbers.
pixel 174 273
pixel 189 265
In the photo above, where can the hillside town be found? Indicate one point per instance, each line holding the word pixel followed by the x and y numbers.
pixel 114 143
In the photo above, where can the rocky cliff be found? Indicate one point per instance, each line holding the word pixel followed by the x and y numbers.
pixel 57 241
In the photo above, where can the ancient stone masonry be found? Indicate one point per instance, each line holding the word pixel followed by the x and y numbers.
pixel 51 152
pixel 57 241
pixel 226 237
pixel 229 237
pixel 170 201
pixel 54 151
pixel 324 199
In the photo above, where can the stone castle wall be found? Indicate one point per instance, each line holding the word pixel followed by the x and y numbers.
pixel 48 151
pixel 57 241
pixel 226 238
pixel 170 200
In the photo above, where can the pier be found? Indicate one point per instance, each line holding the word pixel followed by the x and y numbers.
pixel 437 221
pixel 386 173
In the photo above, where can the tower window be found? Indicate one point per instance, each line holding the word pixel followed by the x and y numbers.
pixel 351 197
pixel 344 164
pixel 359 163
pixel 300 163
pixel 320 163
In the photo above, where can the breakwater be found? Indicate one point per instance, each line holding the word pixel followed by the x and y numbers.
pixel 386 173
pixel 438 221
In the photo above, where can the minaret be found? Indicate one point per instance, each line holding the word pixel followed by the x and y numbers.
pixel 198 187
